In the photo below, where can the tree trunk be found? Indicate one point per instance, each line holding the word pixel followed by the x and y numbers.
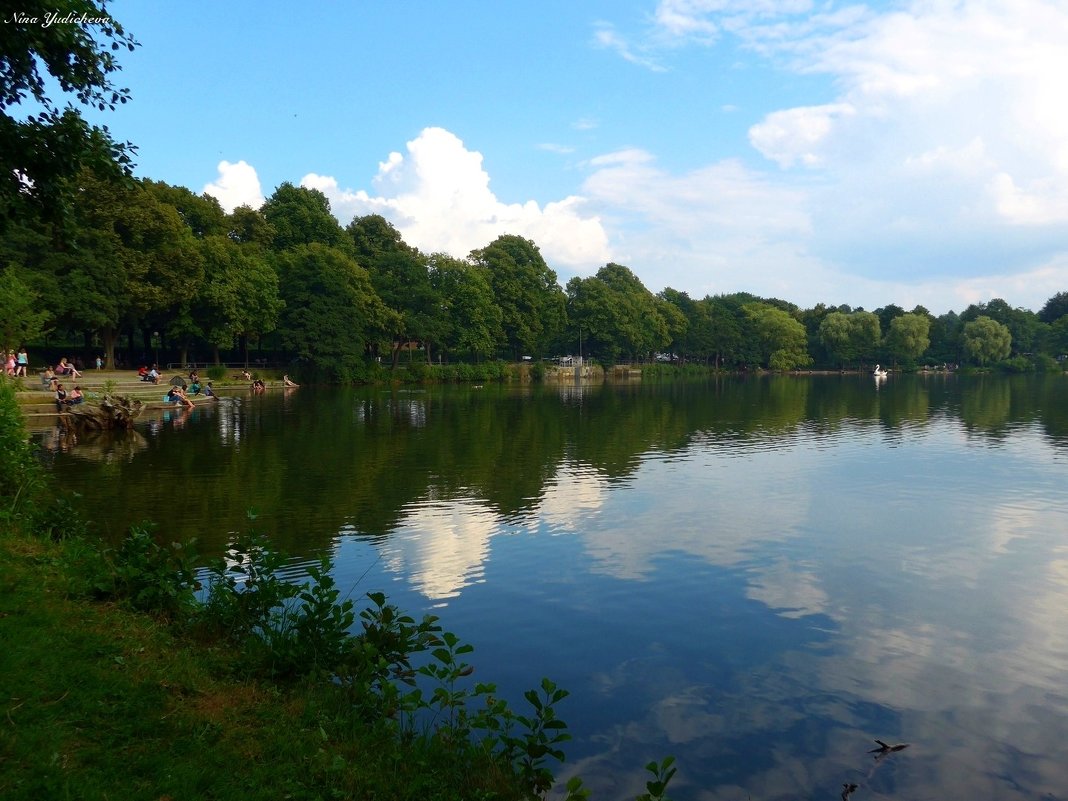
pixel 108 335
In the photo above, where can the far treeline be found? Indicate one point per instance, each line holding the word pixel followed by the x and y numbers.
pixel 137 264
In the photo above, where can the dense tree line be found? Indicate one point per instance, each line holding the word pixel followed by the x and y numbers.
pixel 141 259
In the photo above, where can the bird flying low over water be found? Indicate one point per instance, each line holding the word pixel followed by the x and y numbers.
pixel 885 749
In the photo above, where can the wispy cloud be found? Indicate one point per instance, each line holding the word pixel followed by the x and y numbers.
pixel 551 147
pixel 606 37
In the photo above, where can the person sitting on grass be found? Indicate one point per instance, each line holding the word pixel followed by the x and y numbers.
pixel 153 375
pixel 142 373
pixel 208 391
pixel 50 379
pixel 194 388
pixel 76 396
pixel 61 397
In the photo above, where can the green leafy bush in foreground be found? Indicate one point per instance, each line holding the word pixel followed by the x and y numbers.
pixel 388 666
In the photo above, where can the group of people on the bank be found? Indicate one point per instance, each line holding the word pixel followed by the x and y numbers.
pixel 16 364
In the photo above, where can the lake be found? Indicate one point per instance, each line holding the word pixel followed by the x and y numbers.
pixel 759 576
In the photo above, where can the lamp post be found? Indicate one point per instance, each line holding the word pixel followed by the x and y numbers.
pixel 155 340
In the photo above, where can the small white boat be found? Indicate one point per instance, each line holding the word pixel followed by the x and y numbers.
pixel 879 372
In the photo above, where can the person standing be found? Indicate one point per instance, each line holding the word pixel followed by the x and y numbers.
pixel 22 362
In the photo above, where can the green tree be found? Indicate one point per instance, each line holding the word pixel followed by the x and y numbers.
pixel 591 308
pixel 849 337
pixel 401 276
pixel 301 216
pixel 641 326
pixel 201 213
pixel 24 317
pixel 248 226
pixel 533 306
pixel 240 296
pixel 987 340
pixel 725 327
pixel 130 260
pixel 1058 336
pixel 908 337
pixel 1024 325
pixel 331 310
pixel 780 338
pixel 472 320
pixel 1055 308
pixel 42 150
pixel 691 340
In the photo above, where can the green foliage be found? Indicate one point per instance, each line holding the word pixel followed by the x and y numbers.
pixel 215 373
pixel 23 319
pixel 986 340
pixel 656 788
pixel 1046 364
pixel 154 578
pixel 331 310
pixel 301 216
pixel 850 337
pixel 1016 364
pixel 909 336
pixel 244 589
pixel 525 289
pixel 20 476
pixel 543 733
pixel 782 339
pixel 39 150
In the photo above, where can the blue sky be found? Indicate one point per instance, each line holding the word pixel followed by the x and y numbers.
pixel 893 152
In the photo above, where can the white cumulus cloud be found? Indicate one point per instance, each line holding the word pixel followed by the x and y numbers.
pixel 439 198
pixel 237 185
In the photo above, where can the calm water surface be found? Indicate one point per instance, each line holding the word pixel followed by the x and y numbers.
pixel 757 576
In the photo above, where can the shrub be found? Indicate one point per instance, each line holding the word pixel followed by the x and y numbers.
pixel 154 578
pixel 20 475
pixel 216 372
pixel 1017 364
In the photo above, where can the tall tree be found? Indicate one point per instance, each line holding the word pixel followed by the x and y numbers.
pixel 331 310
pixel 987 340
pixel 533 306
pixel 849 337
pixel 202 213
pixel 1055 308
pixel 42 150
pixel 130 260
pixel 471 318
pixel 301 216
pixel 240 297
pixel 780 337
pixel 908 337
pixel 400 275
pixel 24 318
